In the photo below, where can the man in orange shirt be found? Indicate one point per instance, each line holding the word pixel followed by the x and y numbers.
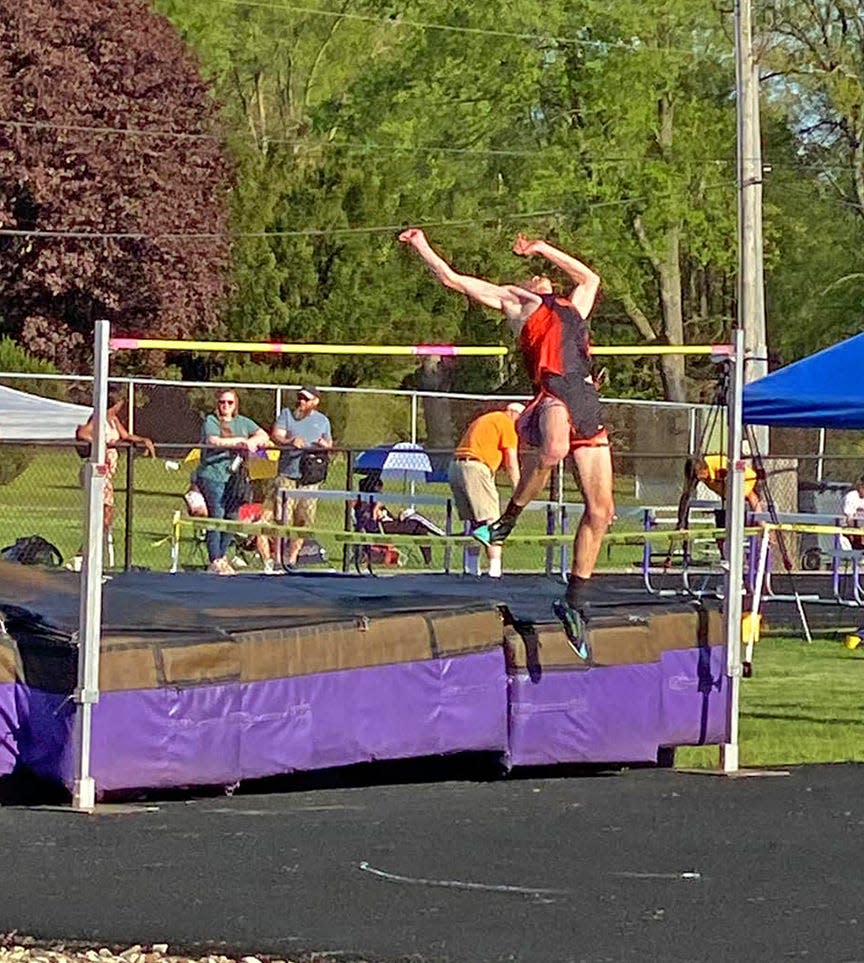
pixel 488 442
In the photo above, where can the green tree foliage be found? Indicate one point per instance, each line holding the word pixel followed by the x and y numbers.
pixel 608 127
pixel 616 139
pixel 13 357
pixel 817 47
pixel 812 56
pixel 66 69
pixel 306 280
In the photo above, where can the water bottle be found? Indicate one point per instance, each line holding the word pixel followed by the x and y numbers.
pixel 235 464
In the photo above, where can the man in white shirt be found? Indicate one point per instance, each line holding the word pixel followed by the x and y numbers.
pixel 853 511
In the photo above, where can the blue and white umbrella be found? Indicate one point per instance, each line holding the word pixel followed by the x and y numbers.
pixel 404 460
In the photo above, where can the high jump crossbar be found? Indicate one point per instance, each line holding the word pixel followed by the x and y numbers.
pixel 648 350
pixel 278 347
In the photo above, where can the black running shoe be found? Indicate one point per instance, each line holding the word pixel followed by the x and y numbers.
pixel 495 532
pixel 574 627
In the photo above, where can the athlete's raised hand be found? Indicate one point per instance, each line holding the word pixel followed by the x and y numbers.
pixel 412 236
pixel 525 247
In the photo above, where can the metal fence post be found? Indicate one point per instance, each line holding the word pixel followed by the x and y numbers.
pixel 349 486
pixel 130 500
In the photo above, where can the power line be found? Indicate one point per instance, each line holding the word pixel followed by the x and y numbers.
pixel 319 232
pixel 630 46
pixel 281 141
pixel 360 146
pixel 87 129
pixel 363 146
pixel 397 21
pixel 305 232
pixel 633 45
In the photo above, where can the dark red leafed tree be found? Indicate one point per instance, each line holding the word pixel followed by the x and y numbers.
pixel 67 67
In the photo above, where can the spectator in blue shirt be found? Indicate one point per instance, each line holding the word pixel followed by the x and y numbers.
pixel 299 432
pixel 226 438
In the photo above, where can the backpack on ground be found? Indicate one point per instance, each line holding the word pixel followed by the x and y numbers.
pixel 32 550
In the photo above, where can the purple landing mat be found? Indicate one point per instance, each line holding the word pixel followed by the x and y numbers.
pixel 8 728
pixel 219 734
pixel 618 713
pixel 694 700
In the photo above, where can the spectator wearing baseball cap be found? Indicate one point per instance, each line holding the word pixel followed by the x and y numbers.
pixel 299 432
pixel 489 442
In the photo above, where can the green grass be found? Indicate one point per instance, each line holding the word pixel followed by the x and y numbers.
pixel 46 499
pixel 802 704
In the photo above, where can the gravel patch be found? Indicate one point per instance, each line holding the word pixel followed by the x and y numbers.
pixel 25 949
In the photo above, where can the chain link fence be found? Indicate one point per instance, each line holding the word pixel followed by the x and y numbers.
pixel 40 491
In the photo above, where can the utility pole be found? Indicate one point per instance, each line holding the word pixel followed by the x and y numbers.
pixel 751 290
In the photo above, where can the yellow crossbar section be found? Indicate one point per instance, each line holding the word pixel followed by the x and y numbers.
pixel 272 530
pixel 276 347
pixel 802 528
pixel 648 350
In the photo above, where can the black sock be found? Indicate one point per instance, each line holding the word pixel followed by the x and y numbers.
pixel 576 591
pixel 512 511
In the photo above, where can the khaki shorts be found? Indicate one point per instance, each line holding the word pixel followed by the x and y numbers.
pixel 474 491
pixel 298 511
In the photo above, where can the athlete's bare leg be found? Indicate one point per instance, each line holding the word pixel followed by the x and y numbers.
pixel 554 430
pixel 554 446
pixel 593 468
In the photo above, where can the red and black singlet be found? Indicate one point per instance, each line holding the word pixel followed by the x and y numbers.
pixel 556 347
pixel 554 340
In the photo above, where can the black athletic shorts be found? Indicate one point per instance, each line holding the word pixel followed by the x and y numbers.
pixel 582 401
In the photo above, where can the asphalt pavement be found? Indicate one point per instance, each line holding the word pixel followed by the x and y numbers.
pixel 451 864
pixel 451 861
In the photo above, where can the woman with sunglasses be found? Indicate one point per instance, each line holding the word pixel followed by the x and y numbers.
pixel 225 435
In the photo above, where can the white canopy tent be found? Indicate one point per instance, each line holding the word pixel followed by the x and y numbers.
pixel 26 417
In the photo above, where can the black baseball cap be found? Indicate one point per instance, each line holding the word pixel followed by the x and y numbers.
pixel 308 392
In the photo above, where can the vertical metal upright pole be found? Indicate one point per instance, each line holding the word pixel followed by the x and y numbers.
pixel 90 606
pixel 563 551
pixel 751 291
pixel 128 520
pixel 734 548
pixel 820 461
pixel 757 362
pixel 412 484
pixel 551 520
pixel 130 405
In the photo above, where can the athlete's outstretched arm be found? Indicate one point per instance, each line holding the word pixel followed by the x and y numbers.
pixel 586 282
pixel 490 295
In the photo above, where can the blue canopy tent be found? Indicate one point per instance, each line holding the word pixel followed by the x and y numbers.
pixel 825 390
